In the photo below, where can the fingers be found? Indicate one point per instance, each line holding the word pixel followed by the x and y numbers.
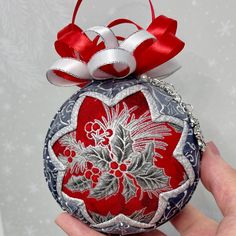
pixel 192 222
pixel 220 179
pixel 152 233
pixel 73 227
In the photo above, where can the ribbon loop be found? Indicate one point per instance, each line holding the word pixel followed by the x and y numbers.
pixel 75 68
pixel 136 39
pixel 111 57
pixel 106 34
pixel 162 25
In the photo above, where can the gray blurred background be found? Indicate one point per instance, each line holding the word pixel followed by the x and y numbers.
pixel 28 102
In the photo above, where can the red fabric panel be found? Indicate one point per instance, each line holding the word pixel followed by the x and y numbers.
pixel 93 109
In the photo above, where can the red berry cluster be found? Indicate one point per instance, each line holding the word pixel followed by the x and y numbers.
pixel 94 130
pixel 70 154
pixel 92 173
pixel 118 169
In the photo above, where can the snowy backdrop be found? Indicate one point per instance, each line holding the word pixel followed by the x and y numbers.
pixel 28 102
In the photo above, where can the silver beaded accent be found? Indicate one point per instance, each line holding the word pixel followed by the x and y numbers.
pixel 143 77
pixel 187 108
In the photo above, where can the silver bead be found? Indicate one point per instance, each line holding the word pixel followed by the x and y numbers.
pixel 144 77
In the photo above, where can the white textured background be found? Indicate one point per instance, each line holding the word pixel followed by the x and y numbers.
pixel 28 102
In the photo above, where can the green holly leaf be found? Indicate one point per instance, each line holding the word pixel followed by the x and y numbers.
pixel 129 190
pixel 148 176
pixel 136 161
pixel 100 218
pixel 140 216
pixel 99 156
pixel 142 162
pixel 149 153
pixel 153 179
pixel 177 128
pixel 147 218
pixel 79 184
pixel 106 187
pixel 122 144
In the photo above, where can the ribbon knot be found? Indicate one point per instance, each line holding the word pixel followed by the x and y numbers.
pixel 147 51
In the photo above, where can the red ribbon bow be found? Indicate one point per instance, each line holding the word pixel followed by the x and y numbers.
pixel 72 41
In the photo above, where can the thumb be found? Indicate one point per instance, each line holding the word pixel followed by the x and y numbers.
pixel 220 179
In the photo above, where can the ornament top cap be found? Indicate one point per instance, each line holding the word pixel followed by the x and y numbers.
pixel 147 52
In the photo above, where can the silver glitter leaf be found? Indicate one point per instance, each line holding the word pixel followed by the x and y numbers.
pixel 137 161
pixel 122 144
pixel 137 215
pixel 141 217
pixel 100 218
pixel 153 179
pixel 79 184
pixel 149 153
pixel 69 141
pixel 99 156
pixel 78 164
pixel 129 190
pixel 106 187
pixel 142 162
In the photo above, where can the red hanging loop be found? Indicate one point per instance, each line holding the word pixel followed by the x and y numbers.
pixel 76 11
pixel 123 21
pixel 152 10
pixel 80 1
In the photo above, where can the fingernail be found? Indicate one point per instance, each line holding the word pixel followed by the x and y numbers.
pixel 213 148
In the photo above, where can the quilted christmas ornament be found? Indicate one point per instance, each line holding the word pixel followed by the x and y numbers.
pixel 122 154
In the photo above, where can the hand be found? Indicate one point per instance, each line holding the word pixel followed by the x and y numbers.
pixel 217 176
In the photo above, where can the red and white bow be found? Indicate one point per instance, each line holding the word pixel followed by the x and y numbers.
pixel 148 52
